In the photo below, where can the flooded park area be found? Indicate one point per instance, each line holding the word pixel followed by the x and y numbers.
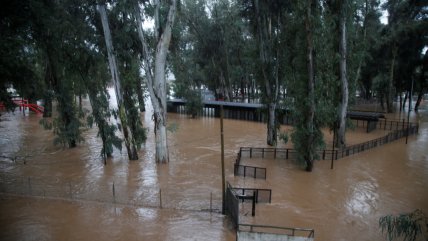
pixel 52 193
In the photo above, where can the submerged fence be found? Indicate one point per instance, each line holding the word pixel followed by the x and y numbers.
pixel 399 129
pixel 235 195
pixel 289 231
pixel 195 199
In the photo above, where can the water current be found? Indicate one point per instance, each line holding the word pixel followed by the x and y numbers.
pixel 48 192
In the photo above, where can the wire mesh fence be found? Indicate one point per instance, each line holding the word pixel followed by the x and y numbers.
pixel 196 199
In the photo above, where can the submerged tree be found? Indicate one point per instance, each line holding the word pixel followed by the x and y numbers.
pixel 154 63
pixel 132 140
pixel 266 18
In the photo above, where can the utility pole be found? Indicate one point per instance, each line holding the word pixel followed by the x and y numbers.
pixel 223 184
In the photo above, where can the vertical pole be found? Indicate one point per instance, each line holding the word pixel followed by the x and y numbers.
pixel 253 209
pixel 114 193
pixel 222 161
pixel 408 113
pixel 71 191
pixel 334 140
pixel 160 197
pixel 29 186
pixel 211 202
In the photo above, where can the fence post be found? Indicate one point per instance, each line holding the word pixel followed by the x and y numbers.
pixel 29 186
pixel 211 202
pixel 114 193
pixel 253 209
pixel 160 197
pixel 286 154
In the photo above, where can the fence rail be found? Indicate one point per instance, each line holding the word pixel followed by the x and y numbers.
pixel 262 195
pixel 398 130
pixel 195 199
pixel 232 205
pixel 302 232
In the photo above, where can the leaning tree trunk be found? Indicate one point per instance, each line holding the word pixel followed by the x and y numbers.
pixel 310 116
pixel 343 79
pixel 127 133
pixel 156 82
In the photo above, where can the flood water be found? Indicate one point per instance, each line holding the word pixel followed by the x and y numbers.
pixel 55 193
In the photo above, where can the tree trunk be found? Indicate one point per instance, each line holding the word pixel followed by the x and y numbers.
pixel 403 106
pixel 343 79
pixel 140 95
pixel 419 100
pixel 361 60
pixel 127 133
pixel 390 94
pixel 309 157
pixel 266 38
pixel 272 130
pixel 156 81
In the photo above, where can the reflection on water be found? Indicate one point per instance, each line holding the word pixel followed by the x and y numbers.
pixel 362 199
pixel 340 204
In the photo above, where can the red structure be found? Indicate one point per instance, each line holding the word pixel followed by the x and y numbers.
pixel 23 103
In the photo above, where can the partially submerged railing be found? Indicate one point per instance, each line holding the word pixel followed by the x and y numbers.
pixel 289 231
pixel 399 130
pixel 235 195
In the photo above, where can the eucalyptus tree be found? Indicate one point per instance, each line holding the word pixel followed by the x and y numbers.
pixel 129 119
pixel 154 63
pixel 54 27
pixel 406 24
pixel 266 20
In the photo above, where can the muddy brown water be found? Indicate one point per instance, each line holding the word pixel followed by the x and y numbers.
pixel 52 193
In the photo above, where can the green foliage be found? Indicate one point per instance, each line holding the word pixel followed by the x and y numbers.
pixel 173 127
pixel 408 226
pixel 194 102
pixel 284 137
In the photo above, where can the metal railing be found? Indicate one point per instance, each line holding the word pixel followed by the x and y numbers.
pixel 303 232
pixel 262 195
pixel 398 130
pixel 232 205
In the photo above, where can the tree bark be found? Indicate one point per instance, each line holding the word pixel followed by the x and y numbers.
pixel 156 82
pixel 343 79
pixel 390 93
pixel 114 71
pixel 265 38
pixel 140 96
pixel 311 88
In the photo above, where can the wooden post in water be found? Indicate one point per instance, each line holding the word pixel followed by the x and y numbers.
pixel 223 185
pixel 211 202
pixel 160 198
pixel 253 209
pixel 114 193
